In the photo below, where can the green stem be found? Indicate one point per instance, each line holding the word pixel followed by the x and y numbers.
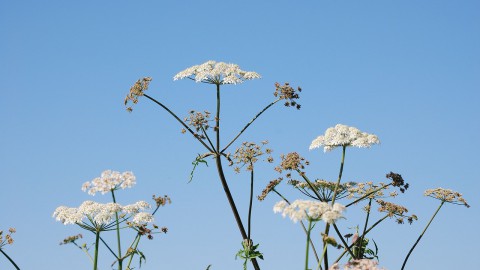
pixel 319 267
pixel 249 123
pixel 84 250
pixel 342 239
pixel 95 258
pixel 179 120
pixel 120 260
pixel 308 243
pixel 364 230
pixel 223 180
pixel 421 235
pixel 302 174
pixel 369 229
pixel 133 246
pixel 250 205
pixel 10 259
pixel 303 227
pixel 327 227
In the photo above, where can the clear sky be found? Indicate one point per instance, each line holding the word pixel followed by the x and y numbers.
pixel 408 71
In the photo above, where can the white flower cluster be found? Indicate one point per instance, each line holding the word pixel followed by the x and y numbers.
pixel 217 73
pixel 108 181
pixel 100 214
pixel 363 264
pixel 313 210
pixel 342 135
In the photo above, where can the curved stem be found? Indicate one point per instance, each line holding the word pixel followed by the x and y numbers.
pixel 10 259
pixel 223 180
pixel 421 235
pixel 249 123
pixel 303 226
pixel 179 120
pixel 319 267
pixel 327 227
pixel 250 205
pixel 119 245
pixel 308 243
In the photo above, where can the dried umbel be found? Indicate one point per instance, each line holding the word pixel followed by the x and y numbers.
pixel 446 195
pixel 371 189
pixel 7 239
pixel 291 161
pixel 288 93
pixel 248 153
pixel 342 135
pixel 71 239
pixel 162 201
pixel 198 120
pixel 397 181
pixel 136 91
pixel 395 210
pixel 217 73
pixel 269 188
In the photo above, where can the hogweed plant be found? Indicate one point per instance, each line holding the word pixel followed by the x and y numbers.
pixel 323 196
pixel 99 218
pixel 7 239
pixel 201 125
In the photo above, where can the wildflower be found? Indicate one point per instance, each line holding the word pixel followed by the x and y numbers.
pixel 397 181
pixel 288 93
pixel 142 218
pixel 97 213
pixel 395 210
pixel 109 181
pixel 217 73
pixel 136 91
pixel 309 210
pixel 161 201
pixel 71 239
pixel 136 207
pixel 363 264
pixel 446 195
pixel 7 239
pixel 342 135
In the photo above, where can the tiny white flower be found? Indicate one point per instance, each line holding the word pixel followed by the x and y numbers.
pixel 142 218
pixel 342 135
pixel 108 181
pixel 217 73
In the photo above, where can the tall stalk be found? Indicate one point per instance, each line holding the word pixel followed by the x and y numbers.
pixel 327 227
pixel 119 245
pixel 250 206
pixel 421 235
pixel 308 243
pixel 221 174
pixel 95 258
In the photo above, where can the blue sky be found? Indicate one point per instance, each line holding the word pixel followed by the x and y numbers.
pixel 407 71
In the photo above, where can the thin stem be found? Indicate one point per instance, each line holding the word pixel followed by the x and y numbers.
pixel 84 250
pixel 421 235
pixel 119 245
pixel 249 123
pixel 364 230
pixel 303 227
pixel 368 194
pixel 10 259
pixel 250 205
pixel 308 243
pixel 319 267
pixel 179 120
pixel 369 229
pixel 95 260
pixel 327 227
pixel 302 174
pixel 108 247
pixel 133 246
pixel 343 240
pixel 223 180
pixel 208 138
